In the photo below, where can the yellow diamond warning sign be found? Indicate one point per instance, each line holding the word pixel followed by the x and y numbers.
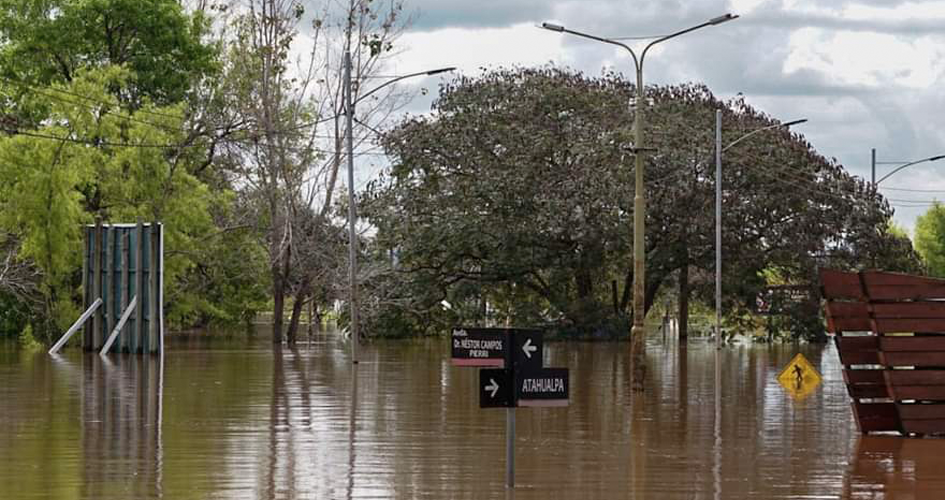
pixel 799 378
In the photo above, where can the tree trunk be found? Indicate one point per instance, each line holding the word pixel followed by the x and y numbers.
pixel 280 276
pixel 278 300
pixel 292 333
pixel 684 303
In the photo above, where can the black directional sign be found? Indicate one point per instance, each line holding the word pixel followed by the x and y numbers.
pixel 496 387
pixel 527 350
pixel 480 347
pixel 542 387
pixel 519 379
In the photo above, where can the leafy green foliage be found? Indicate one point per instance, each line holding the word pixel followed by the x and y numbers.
pixel 515 193
pixel 47 41
pixel 930 239
pixel 98 161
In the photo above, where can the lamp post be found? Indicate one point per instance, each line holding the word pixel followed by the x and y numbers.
pixel 352 214
pixel 718 210
pixel 637 345
pixel 901 166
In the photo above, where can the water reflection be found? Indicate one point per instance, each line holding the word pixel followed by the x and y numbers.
pixel 241 419
pixel 888 467
pixel 121 425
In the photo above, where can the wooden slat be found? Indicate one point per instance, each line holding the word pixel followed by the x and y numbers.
pixel 881 278
pixel 850 324
pixel 921 392
pixel 905 310
pixel 858 350
pixel 936 426
pixel 863 376
pixel 847 316
pixel 154 284
pixel 862 343
pixel 921 343
pixel 841 285
pixel 88 249
pixel 912 292
pixel 847 309
pixel 138 337
pixel 918 359
pixel 859 358
pixel 876 417
pixel 919 411
pixel 872 391
pixel 865 383
pixel 909 325
pixel 914 377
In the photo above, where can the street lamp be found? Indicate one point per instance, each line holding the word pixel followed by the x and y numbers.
pixel 352 238
pixel 901 166
pixel 637 345
pixel 718 210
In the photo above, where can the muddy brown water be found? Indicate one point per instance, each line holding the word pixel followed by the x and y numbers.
pixel 238 419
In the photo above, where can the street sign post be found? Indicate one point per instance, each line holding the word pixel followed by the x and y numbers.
pixel 515 375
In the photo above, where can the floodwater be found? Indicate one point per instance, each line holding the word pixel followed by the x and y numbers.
pixel 238 419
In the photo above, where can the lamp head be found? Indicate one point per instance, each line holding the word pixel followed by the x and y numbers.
pixel 936 158
pixel 794 122
pixel 553 27
pixel 715 21
pixel 441 70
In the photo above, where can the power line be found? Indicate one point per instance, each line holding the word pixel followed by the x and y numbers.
pixel 97 142
pixel 913 190
pixel 94 108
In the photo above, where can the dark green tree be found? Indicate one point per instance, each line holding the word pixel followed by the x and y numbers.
pixel 512 199
pixel 49 41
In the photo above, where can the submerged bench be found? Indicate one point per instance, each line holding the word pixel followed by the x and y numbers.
pixel 890 333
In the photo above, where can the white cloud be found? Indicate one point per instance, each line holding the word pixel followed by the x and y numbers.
pixel 902 12
pixel 863 58
pixel 471 49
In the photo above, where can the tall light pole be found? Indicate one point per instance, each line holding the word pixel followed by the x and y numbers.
pixel 718 210
pixel 637 341
pixel 350 102
pixel 901 166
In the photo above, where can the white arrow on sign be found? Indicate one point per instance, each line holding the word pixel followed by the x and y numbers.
pixel 529 348
pixel 493 386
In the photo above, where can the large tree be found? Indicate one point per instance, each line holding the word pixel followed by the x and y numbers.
pixel 930 238
pixel 96 161
pixel 515 192
pixel 47 41
pixel 285 146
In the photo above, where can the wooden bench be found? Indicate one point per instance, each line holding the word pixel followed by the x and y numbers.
pixel 890 333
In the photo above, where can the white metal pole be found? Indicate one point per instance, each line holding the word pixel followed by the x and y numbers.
pixel 718 229
pixel 352 236
pixel 510 447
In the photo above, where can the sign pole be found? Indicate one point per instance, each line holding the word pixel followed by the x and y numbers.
pixel 510 447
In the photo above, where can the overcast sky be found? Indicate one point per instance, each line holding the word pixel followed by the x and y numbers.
pixel 867 74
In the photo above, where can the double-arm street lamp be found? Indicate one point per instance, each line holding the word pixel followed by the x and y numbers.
pixel 901 166
pixel 718 209
pixel 637 345
pixel 352 214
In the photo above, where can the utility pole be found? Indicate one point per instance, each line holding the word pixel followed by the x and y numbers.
pixel 352 236
pixel 718 229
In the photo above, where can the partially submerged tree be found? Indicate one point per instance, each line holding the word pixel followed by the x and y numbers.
pixel 96 161
pixel 518 184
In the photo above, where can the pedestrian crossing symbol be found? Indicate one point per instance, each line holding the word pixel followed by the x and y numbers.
pixel 799 378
